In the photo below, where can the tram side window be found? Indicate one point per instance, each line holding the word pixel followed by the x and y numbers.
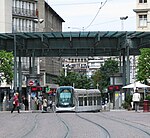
pixel 80 101
pixel 94 100
pixel 98 100
pixel 90 101
pixel 85 101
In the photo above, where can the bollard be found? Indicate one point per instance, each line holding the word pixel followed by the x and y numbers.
pixel 146 106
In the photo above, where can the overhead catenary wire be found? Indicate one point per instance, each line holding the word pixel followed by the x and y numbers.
pixel 68 4
pixel 102 5
pixel 110 21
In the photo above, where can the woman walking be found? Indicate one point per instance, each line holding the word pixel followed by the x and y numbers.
pixel 15 102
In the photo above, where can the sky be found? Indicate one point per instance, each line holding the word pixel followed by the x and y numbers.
pixel 95 15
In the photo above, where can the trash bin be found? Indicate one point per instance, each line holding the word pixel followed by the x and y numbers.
pixel 146 106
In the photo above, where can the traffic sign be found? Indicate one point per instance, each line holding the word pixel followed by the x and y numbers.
pixel 31 82
pixel 47 89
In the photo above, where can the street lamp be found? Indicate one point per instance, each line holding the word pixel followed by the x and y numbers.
pixel 38 21
pixel 122 57
pixel 122 21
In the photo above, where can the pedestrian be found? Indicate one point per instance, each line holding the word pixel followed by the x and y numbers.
pixel 50 102
pixel 25 102
pixel 136 100
pixel 16 102
pixel 37 103
pixel 44 104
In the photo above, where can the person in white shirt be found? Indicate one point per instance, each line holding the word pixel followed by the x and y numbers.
pixel 44 104
pixel 136 100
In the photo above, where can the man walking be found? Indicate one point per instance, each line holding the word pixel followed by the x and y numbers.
pixel 136 100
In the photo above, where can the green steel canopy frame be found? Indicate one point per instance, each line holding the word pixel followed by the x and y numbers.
pixel 62 44
pixel 67 44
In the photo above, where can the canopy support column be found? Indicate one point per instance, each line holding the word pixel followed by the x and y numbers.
pixel 15 64
pixel 20 75
pixel 124 69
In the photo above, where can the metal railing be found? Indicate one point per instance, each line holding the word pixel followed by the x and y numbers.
pixel 16 28
pixel 24 12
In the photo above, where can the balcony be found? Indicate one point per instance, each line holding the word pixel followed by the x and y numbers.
pixel 24 12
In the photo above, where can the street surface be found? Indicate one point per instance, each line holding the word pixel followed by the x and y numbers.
pixel 113 124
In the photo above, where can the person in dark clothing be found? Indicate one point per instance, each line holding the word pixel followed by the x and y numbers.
pixel 25 102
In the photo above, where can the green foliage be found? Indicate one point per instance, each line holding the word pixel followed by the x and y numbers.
pixel 79 81
pixel 147 97
pixel 129 98
pixel 96 79
pixel 143 66
pixel 6 63
pixel 127 103
pixel 102 76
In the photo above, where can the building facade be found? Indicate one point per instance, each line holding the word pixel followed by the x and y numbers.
pixel 75 64
pixel 32 16
pixel 85 65
pixel 142 12
pixel 142 15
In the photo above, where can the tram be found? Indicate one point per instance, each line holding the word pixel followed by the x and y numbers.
pixel 64 99
pixel 88 100
pixel 77 100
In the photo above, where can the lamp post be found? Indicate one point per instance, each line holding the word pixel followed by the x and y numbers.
pixel 126 70
pixel 97 85
pixel 38 21
pixel 65 71
pixel 122 28
pixel 122 21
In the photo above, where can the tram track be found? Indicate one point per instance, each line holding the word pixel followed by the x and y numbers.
pixel 126 122
pixel 32 128
pixel 106 132
pixel 123 119
pixel 65 124
pixel 23 126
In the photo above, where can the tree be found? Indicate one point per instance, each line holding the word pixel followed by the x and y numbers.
pixel 102 76
pixel 143 66
pixel 79 81
pixel 83 82
pixel 6 64
pixel 97 79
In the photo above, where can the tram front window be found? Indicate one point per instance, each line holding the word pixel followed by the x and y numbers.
pixel 65 98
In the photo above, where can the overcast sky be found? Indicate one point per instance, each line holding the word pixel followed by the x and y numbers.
pixel 79 14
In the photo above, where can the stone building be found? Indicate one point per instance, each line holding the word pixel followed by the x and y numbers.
pixel 142 15
pixel 32 16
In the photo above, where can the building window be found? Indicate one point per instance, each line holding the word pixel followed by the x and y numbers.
pixel 142 20
pixel 142 1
